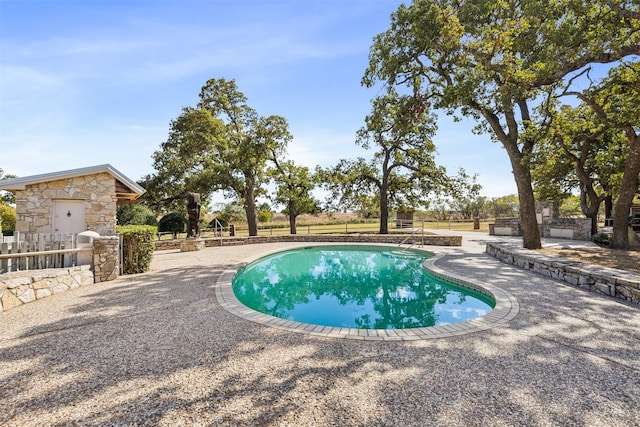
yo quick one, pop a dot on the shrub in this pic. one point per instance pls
(173, 222)
(601, 239)
(135, 214)
(138, 244)
(7, 218)
(265, 216)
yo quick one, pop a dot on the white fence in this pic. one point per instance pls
(24, 251)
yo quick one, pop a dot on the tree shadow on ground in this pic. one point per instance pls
(158, 349)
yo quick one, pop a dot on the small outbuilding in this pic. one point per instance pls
(71, 201)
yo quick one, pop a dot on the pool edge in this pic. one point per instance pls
(506, 309)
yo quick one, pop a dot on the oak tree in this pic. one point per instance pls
(494, 60)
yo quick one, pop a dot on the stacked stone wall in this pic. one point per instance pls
(34, 204)
(22, 287)
(578, 228)
(106, 253)
(329, 238)
(505, 227)
(607, 281)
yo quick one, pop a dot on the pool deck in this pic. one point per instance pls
(160, 349)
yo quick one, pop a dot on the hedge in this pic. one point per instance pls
(138, 244)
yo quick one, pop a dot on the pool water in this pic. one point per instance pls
(363, 287)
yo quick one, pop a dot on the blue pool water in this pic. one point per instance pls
(364, 287)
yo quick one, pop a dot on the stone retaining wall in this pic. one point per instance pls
(21, 287)
(607, 281)
(416, 239)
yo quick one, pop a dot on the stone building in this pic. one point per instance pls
(71, 201)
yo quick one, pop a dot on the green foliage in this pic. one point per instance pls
(570, 207)
(465, 196)
(505, 206)
(172, 222)
(7, 218)
(138, 243)
(265, 215)
(230, 212)
(293, 190)
(135, 214)
(495, 61)
(601, 239)
(222, 144)
(7, 197)
(402, 171)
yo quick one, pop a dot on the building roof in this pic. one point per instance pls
(126, 188)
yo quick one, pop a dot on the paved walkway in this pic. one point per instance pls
(158, 349)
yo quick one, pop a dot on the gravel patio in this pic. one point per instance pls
(158, 349)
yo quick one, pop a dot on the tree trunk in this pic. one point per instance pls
(250, 208)
(608, 206)
(520, 167)
(384, 208)
(292, 218)
(628, 189)
(529, 222)
(590, 205)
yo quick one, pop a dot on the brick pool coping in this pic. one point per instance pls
(506, 309)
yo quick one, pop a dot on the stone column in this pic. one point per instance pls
(106, 262)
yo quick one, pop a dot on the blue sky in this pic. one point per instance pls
(90, 82)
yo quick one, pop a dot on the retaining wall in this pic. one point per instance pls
(416, 239)
(21, 287)
(607, 281)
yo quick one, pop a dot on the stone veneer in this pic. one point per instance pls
(608, 281)
(429, 239)
(106, 253)
(34, 204)
(21, 287)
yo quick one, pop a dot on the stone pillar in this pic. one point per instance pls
(106, 258)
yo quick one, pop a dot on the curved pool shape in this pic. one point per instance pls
(362, 287)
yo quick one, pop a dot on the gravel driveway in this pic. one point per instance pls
(158, 349)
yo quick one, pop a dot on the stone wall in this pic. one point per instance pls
(607, 281)
(549, 223)
(106, 253)
(21, 287)
(505, 227)
(34, 205)
(416, 239)
(568, 228)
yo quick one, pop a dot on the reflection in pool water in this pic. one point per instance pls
(360, 287)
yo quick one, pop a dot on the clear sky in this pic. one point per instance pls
(84, 83)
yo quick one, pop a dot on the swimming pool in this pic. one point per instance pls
(361, 287)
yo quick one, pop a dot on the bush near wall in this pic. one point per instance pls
(138, 244)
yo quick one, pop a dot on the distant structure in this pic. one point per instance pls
(193, 208)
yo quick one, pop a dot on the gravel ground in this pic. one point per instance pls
(157, 349)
